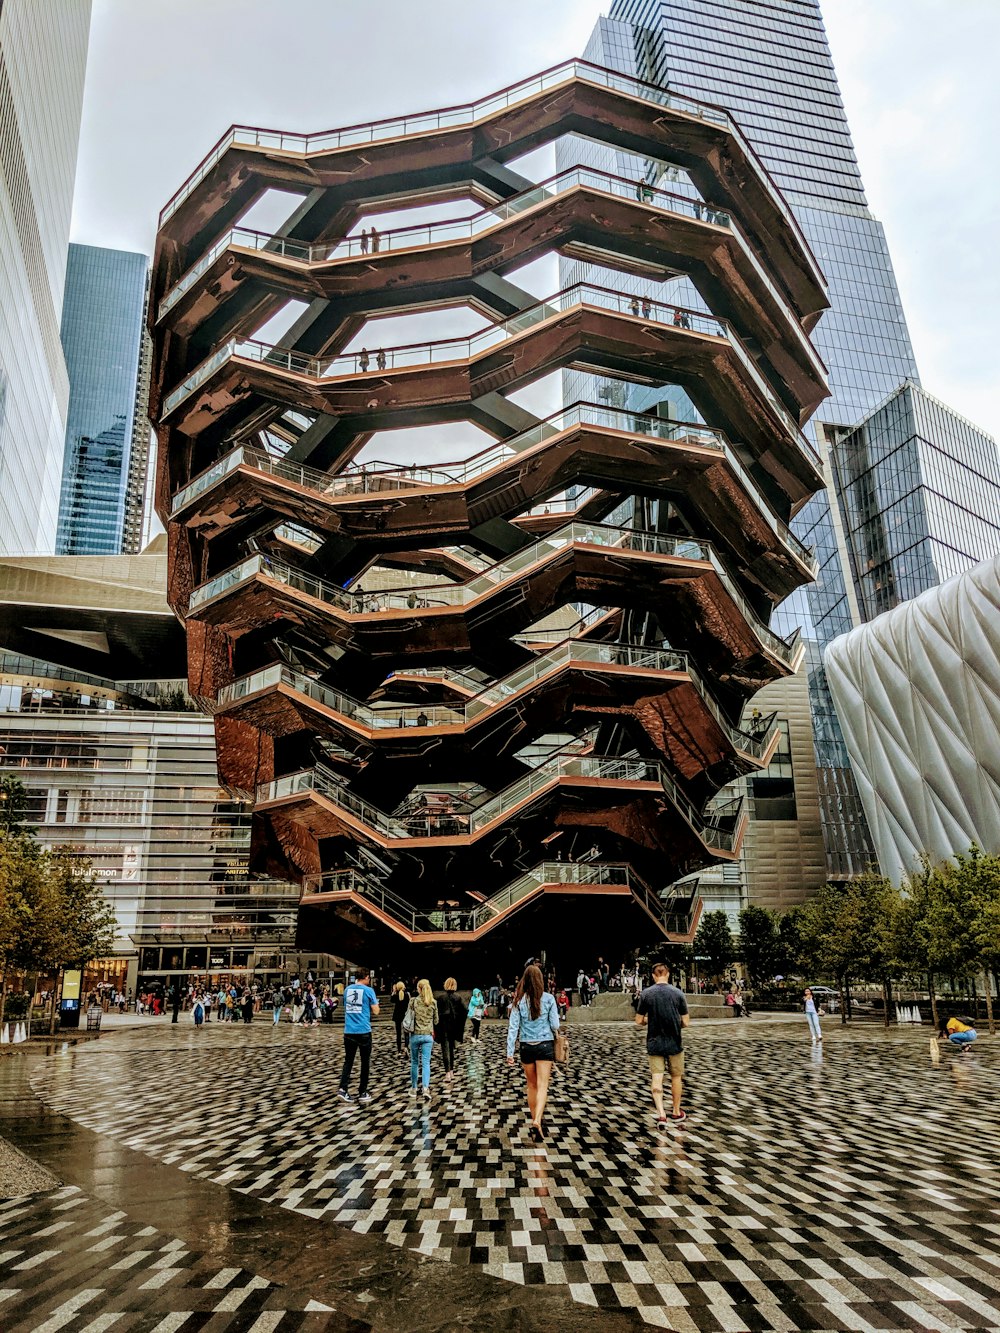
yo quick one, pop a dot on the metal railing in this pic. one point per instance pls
(436, 921)
(448, 230)
(377, 477)
(469, 822)
(396, 717)
(439, 596)
(469, 113)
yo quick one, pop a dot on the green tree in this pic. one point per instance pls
(980, 873)
(936, 926)
(849, 931)
(714, 941)
(13, 808)
(760, 944)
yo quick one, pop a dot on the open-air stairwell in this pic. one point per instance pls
(447, 599)
(721, 830)
(491, 477)
(646, 224)
(689, 325)
(389, 717)
(427, 925)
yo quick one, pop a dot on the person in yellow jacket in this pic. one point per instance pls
(959, 1033)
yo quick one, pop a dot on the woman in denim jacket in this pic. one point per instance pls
(535, 1019)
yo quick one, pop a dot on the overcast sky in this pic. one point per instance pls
(919, 79)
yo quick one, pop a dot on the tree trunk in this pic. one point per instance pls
(989, 1005)
(934, 1008)
(886, 999)
(3, 993)
(56, 995)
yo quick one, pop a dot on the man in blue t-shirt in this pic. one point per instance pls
(663, 1011)
(360, 1003)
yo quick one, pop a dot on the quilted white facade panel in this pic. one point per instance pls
(917, 692)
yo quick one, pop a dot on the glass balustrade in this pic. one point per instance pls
(438, 596)
(454, 117)
(449, 920)
(461, 229)
(456, 821)
(375, 477)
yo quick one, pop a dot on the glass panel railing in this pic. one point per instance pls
(449, 350)
(248, 136)
(430, 597)
(448, 231)
(438, 921)
(376, 477)
(459, 819)
(453, 117)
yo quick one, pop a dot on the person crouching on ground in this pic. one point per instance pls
(663, 1011)
(958, 1033)
(534, 1018)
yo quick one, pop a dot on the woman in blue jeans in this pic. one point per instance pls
(812, 1015)
(534, 1018)
(424, 1008)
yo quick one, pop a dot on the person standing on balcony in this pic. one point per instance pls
(663, 1011)
(360, 1004)
(534, 1019)
(425, 1019)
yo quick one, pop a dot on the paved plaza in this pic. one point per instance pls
(213, 1181)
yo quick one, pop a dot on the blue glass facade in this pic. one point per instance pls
(102, 334)
(919, 493)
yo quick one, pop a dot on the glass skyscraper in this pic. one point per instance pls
(43, 55)
(103, 339)
(768, 63)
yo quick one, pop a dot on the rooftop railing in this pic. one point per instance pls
(469, 113)
(428, 597)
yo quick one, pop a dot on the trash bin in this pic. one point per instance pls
(94, 1016)
(69, 1013)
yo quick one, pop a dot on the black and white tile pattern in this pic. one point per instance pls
(70, 1264)
(850, 1188)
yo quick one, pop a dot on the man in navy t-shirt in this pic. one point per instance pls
(663, 1011)
(360, 1003)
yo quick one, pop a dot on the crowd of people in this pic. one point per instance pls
(424, 1018)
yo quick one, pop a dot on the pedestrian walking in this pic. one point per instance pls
(450, 1025)
(198, 1010)
(310, 1014)
(424, 1008)
(400, 1004)
(246, 1004)
(534, 1019)
(360, 1004)
(277, 1004)
(812, 1016)
(663, 1012)
(477, 1011)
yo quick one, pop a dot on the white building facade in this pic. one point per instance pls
(43, 56)
(917, 692)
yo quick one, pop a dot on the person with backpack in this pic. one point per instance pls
(451, 1024)
(477, 1010)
